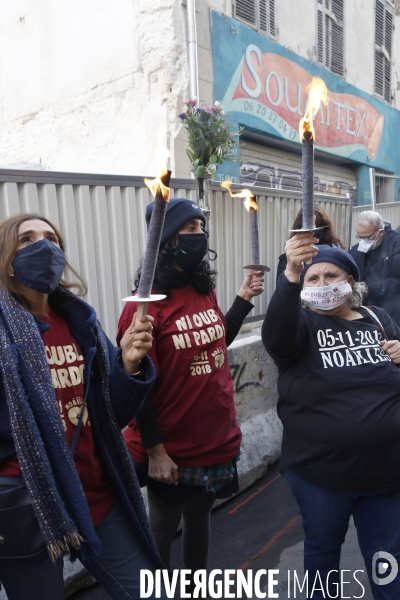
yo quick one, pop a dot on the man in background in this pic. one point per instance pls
(377, 255)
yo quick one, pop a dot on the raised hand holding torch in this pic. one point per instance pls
(318, 93)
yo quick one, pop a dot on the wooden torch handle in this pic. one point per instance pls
(141, 311)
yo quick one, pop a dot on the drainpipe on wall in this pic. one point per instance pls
(350, 220)
(372, 185)
(192, 49)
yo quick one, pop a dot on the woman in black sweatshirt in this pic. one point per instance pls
(339, 402)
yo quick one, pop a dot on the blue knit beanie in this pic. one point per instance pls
(338, 257)
(179, 212)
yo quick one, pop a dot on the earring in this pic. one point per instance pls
(11, 274)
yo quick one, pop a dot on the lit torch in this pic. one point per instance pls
(317, 93)
(159, 187)
(252, 208)
(160, 190)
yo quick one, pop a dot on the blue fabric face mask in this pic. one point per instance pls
(39, 266)
(319, 234)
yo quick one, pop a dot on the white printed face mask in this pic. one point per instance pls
(327, 297)
(366, 245)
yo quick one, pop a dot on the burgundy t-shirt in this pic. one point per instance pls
(193, 391)
(66, 365)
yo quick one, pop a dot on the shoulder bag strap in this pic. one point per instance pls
(375, 316)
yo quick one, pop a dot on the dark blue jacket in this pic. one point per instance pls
(127, 396)
(380, 270)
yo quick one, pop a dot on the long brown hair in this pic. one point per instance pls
(321, 219)
(8, 247)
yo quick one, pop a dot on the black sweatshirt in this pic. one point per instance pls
(339, 394)
(146, 418)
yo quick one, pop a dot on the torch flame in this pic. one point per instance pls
(244, 193)
(158, 186)
(318, 93)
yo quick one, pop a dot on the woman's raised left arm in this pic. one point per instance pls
(251, 287)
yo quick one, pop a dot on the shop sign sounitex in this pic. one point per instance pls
(264, 85)
(273, 88)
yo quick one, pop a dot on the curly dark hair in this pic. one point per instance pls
(202, 278)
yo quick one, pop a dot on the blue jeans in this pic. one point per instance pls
(117, 568)
(326, 514)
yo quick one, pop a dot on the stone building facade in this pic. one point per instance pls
(84, 83)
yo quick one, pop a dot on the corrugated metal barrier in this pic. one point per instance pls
(102, 220)
(390, 211)
(230, 235)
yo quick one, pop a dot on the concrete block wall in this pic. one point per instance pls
(254, 379)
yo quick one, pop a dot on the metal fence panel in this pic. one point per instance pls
(230, 235)
(102, 218)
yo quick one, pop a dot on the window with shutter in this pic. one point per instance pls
(388, 61)
(320, 36)
(272, 27)
(383, 49)
(245, 10)
(263, 16)
(330, 35)
(259, 14)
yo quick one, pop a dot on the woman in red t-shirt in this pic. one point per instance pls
(57, 364)
(187, 433)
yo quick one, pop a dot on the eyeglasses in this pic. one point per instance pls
(367, 237)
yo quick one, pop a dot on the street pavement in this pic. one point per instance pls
(261, 529)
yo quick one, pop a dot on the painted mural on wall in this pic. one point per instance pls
(263, 86)
(273, 88)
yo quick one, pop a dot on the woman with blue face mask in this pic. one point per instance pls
(324, 232)
(339, 403)
(67, 486)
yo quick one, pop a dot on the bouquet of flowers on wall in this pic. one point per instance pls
(210, 137)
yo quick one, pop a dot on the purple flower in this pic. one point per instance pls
(182, 116)
(198, 111)
(190, 102)
(208, 109)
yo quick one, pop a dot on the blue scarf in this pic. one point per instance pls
(43, 452)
